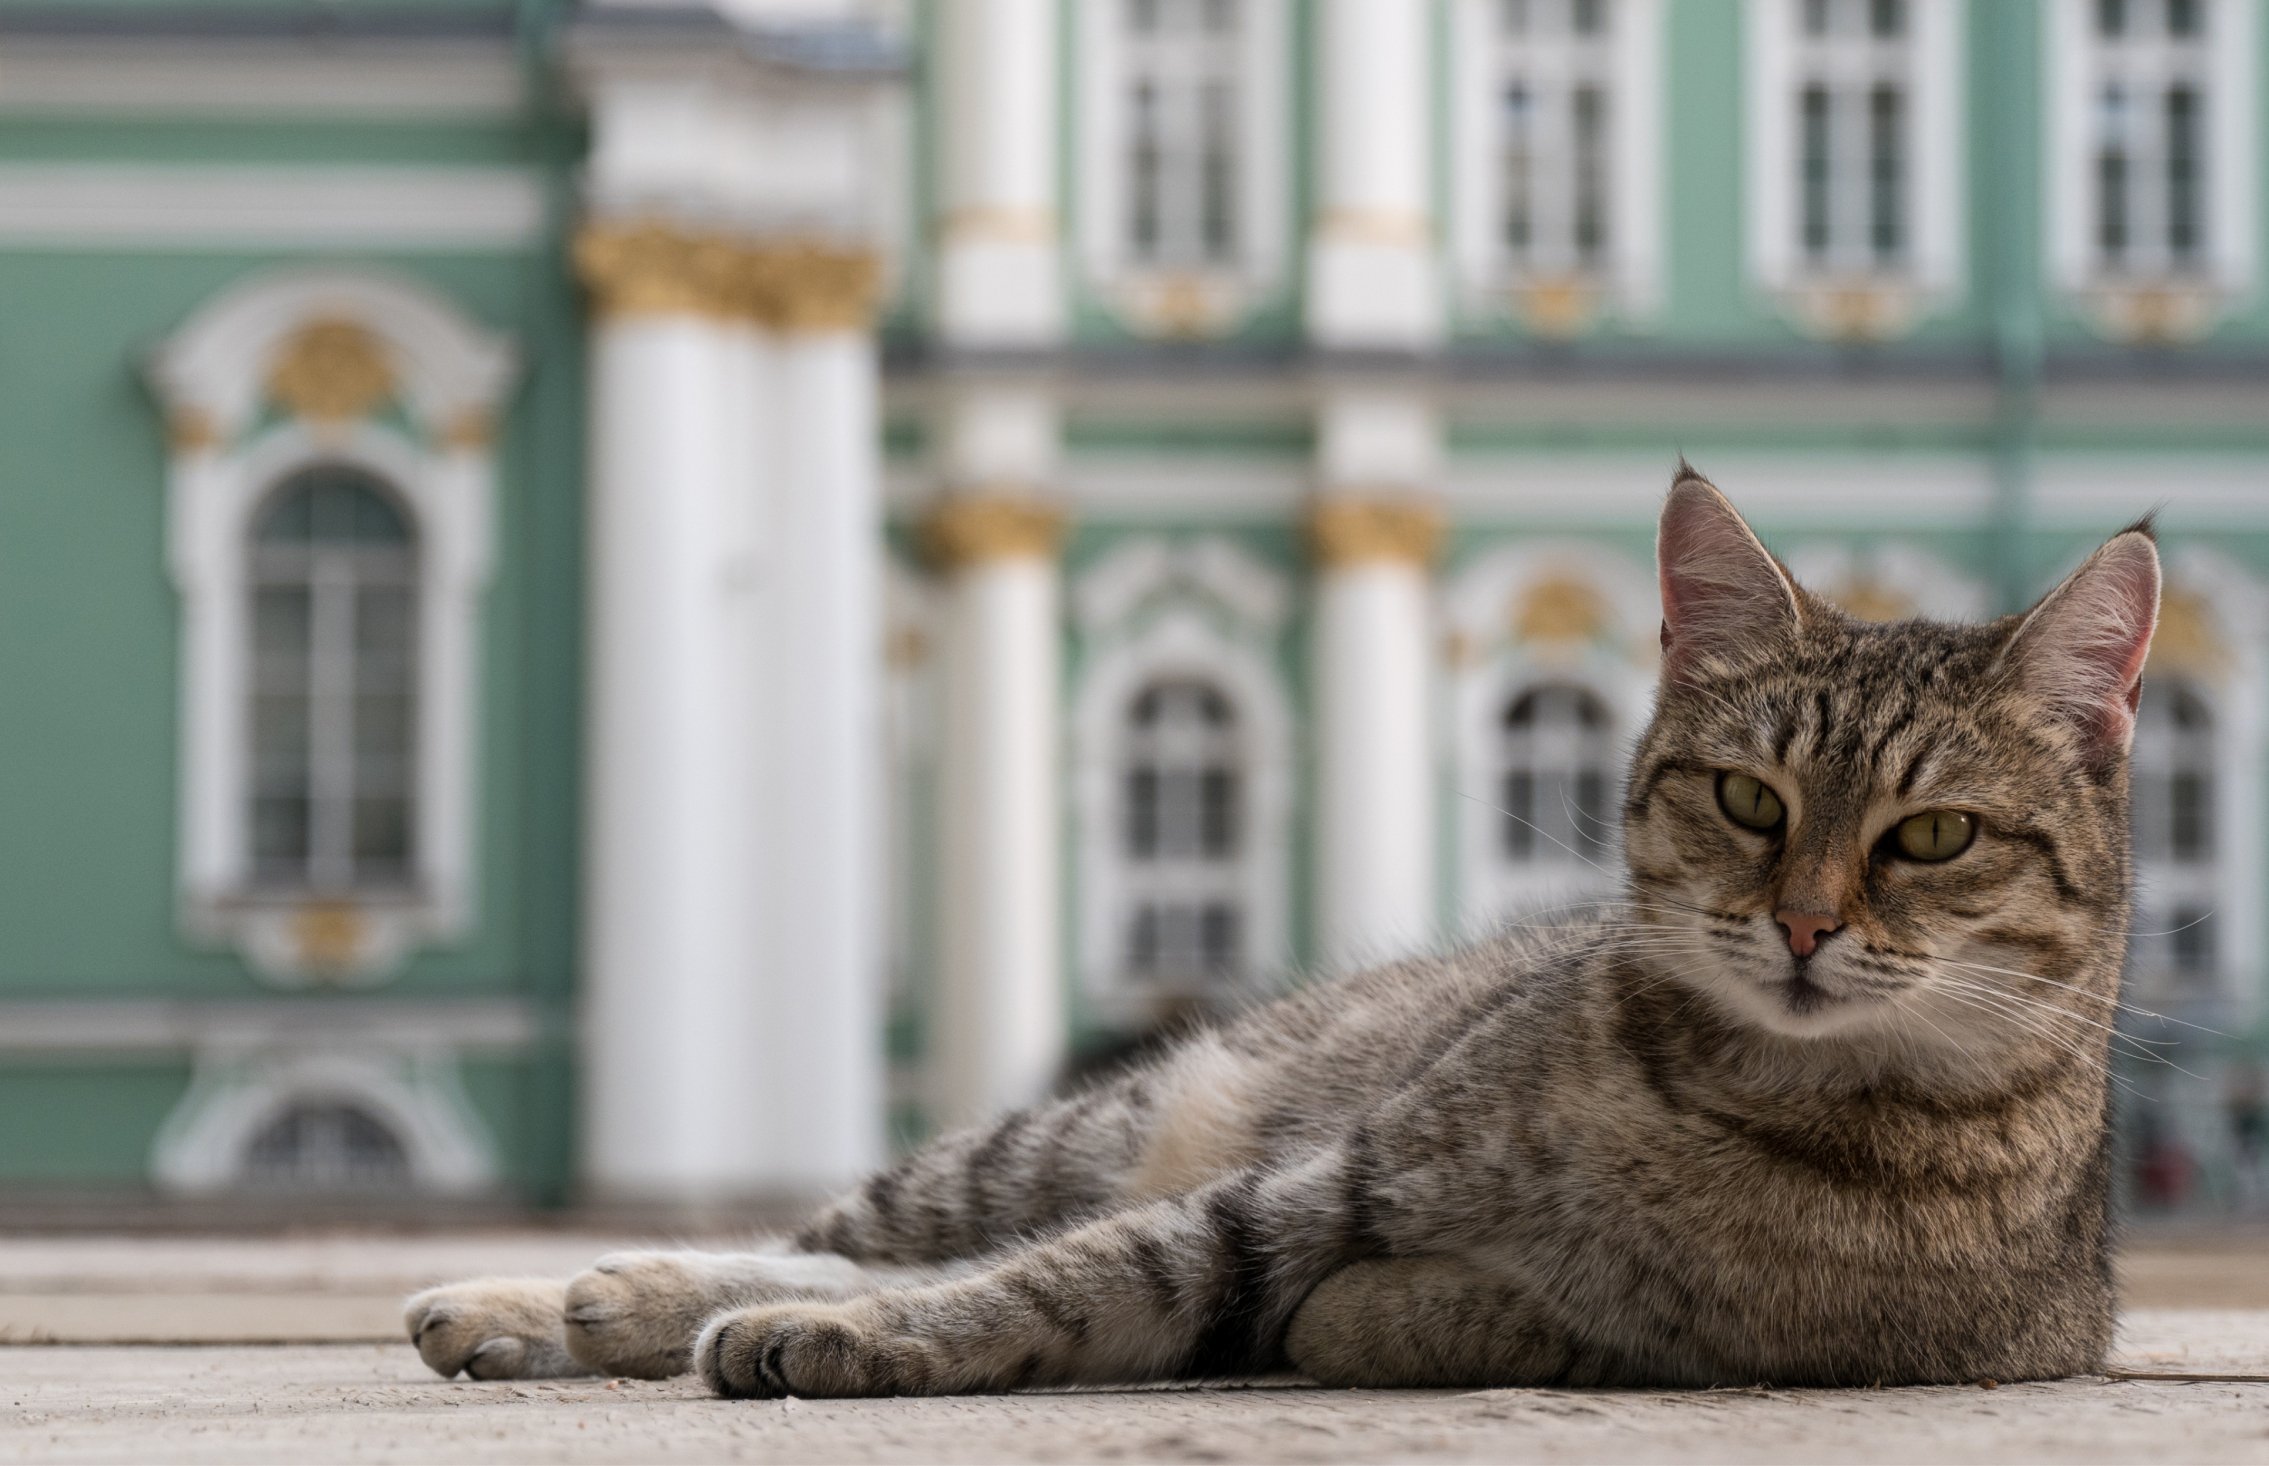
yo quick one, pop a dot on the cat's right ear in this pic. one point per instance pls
(1724, 596)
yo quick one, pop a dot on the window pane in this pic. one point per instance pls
(1517, 168)
(1887, 172)
(2184, 17)
(2183, 194)
(2111, 174)
(2111, 17)
(1887, 17)
(2191, 943)
(1218, 813)
(319, 1144)
(1219, 203)
(1814, 166)
(279, 837)
(1142, 812)
(1218, 937)
(2190, 815)
(1591, 173)
(382, 838)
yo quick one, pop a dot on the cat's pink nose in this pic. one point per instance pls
(1805, 929)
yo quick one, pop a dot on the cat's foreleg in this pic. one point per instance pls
(630, 1313)
(1199, 1283)
(1429, 1321)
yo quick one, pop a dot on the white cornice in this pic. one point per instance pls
(359, 207)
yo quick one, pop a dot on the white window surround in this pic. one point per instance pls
(1841, 299)
(1203, 611)
(1170, 300)
(1606, 646)
(1563, 300)
(2136, 303)
(447, 377)
(203, 1148)
(2214, 635)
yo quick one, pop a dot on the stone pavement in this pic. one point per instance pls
(207, 1395)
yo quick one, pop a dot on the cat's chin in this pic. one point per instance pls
(1796, 1005)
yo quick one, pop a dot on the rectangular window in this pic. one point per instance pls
(1184, 163)
(1854, 63)
(1555, 136)
(2149, 67)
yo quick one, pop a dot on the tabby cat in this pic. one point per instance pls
(1821, 1101)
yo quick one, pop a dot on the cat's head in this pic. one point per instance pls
(1914, 830)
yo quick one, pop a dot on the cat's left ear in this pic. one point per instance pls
(2081, 649)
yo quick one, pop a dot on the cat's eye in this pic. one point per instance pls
(1935, 834)
(1749, 802)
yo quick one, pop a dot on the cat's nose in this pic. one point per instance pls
(1805, 929)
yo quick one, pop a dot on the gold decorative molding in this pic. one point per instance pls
(2188, 641)
(1560, 610)
(1351, 531)
(191, 430)
(971, 529)
(807, 286)
(329, 935)
(655, 269)
(1394, 228)
(469, 430)
(331, 372)
(997, 223)
(1871, 600)
(1558, 308)
(2152, 314)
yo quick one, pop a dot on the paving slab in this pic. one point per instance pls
(376, 1403)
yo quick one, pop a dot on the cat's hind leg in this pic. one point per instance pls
(1415, 1322)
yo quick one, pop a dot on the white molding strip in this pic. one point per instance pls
(157, 1025)
(429, 81)
(217, 207)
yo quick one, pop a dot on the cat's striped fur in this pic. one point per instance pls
(1643, 1144)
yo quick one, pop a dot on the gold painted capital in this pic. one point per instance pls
(331, 372)
(996, 224)
(191, 430)
(1350, 531)
(806, 286)
(653, 268)
(972, 529)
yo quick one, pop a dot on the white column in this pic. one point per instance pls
(997, 1031)
(1374, 535)
(1371, 272)
(670, 861)
(997, 1028)
(818, 1044)
(998, 264)
(997, 1023)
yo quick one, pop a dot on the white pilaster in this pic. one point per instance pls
(999, 264)
(998, 1026)
(1372, 279)
(1374, 532)
(731, 1025)
(674, 729)
(819, 1041)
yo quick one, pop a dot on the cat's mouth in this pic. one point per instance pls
(1804, 996)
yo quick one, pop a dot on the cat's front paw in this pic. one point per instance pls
(636, 1313)
(816, 1350)
(495, 1328)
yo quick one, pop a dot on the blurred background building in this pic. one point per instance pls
(627, 599)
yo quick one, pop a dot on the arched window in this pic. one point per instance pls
(334, 585)
(1185, 157)
(326, 1145)
(1556, 780)
(2175, 802)
(1183, 838)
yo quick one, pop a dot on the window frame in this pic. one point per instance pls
(1867, 300)
(1628, 275)
(1202, 298)
(1154, 609)
(2191, 299)
(229, 454)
